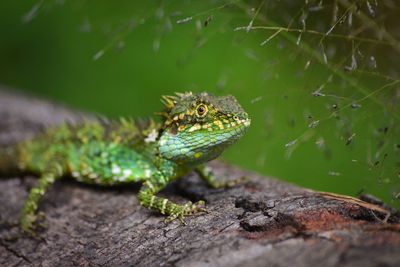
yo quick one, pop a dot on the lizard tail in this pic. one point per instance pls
(9, 156)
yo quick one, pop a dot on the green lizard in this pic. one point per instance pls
(195, 129)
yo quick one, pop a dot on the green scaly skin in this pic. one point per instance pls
(195, 129)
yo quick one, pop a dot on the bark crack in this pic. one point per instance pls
(14, 252)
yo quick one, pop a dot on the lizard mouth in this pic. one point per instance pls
(219, 127)
(245, 122)
(241, 124)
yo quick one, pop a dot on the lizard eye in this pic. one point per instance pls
(201, 110)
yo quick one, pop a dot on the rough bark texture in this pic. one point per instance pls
(265, 222)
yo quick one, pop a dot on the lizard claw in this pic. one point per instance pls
(197, 207)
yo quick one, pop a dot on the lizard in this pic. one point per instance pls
(195, 128)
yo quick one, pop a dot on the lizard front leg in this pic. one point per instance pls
(207, 175)
(147, 197)
(29, 216)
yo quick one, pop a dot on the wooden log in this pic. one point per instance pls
(265, 222)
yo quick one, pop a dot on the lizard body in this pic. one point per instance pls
(196, 128)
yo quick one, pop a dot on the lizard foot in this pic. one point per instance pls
(31, 224)
(185, 210)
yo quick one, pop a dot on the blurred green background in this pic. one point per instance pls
(320, 80)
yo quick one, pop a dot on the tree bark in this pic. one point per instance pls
(264, 222)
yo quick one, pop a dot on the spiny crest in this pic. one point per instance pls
(168, 101)
(172, 102)
(175, 103)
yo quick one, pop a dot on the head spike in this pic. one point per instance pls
(185, 94)
(168, 101)
(162, 114)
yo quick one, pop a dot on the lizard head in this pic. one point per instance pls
(198, 127)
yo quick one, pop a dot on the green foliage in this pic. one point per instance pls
(320, 79)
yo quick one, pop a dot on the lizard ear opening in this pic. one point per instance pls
(173, 129)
